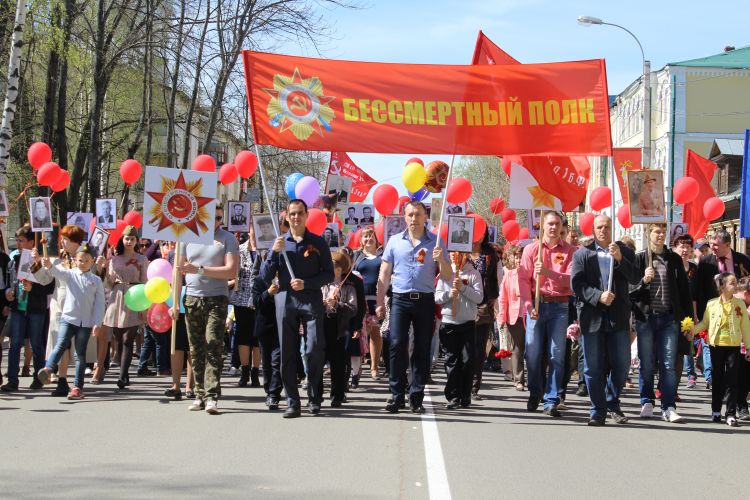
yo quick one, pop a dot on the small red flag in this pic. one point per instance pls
(626, 160)
(486, 52)
(342, 165)
(564, 177)
(702, 170)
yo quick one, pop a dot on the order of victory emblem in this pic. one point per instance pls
(298, 104)
(177, 204)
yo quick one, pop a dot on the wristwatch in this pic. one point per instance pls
(201, 270)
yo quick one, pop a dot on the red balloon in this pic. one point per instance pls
(115, 234)
(355, 239)
(443, 232)
(505, 164)
(158, 317)
(497, 205)
(508, 215)
(511, 230)
(228, 173)
(600, 198)
(401, 202)
(623, 215)
(523, 234)
(246, 163)
(204, 163)
(62, 182)
(38, 154)
(713, 208)
(48, 174)
(586, 223)
(480, 227)
(133, 218)
(316, 221)
(685, 190)
(380, 231)
(385, 199)
(415, 160)
(130, 171)
(459, 190)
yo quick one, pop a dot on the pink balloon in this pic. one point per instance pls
(158, 318)
(160, 268)
(308, 190)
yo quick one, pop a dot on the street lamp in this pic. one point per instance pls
(646, 153)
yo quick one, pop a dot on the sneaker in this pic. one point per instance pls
(647, 410)
(618, 417)
(75, 393)
(197, 405)
(716, 418)
(88, 371)
(145, 372)
(355, 382)
(732, 421)
(392, 406)
(9, 387)
(561, 405)
(212, 407)
(233, 372)
(671, 415)
(690, 382)
(743, 415)
(708, 385)
(508, 376)
(453, 404)
(552, 412)
(44, 375)
(582, 391)
(313, 408)
(272, 402)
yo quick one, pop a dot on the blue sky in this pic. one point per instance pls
(444, 32)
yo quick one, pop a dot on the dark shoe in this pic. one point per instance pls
(582, 391)
(36, 385)
(291, 412)
(532, 404)
(475, 395)
(272, 402)
(175, 394)
(336, 403)
(62, 388)
(453, 405)
(552, 412)
(618, 416)
(145, 372)
(392, 406)
(121, 383)
(716, 419)
(743, 416)
(465, 403)
(355, 382)
(708, 385)
(244, 376)
(25, 371)
(9, 387)
(596, 422)
(418, 408)
(313, 408)
(255, 377)
(189, 394)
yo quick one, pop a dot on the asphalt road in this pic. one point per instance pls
(136, 444)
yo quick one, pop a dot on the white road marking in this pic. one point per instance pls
(437, 477)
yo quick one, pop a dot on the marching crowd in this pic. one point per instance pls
(298, 312)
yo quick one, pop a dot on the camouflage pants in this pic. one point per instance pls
(205, 318)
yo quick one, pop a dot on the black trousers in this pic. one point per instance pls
(336, 357)
(270, 353)
(725, 361)
(295, 309)
(743, 383)
(481, 336)
(459, 343)
(419, 313)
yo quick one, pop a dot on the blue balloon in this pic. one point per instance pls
(290, 184)
(419, 195)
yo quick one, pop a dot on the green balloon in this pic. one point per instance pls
(135, 298)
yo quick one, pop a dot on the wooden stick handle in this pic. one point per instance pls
(176, 291)
(538, 294)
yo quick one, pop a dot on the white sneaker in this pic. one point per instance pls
(197, 405)
(88, 371)
(732, 421)
(671, 415)
(233, 371)
(647, 410)
(561, 406)
(212, 407)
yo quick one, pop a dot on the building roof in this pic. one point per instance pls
(727, 147)
(734, 59)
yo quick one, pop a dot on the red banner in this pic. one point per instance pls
(486, 52)
(702, 170)
(564, 177)
(327, 105)
(626, 160)
(341, 164)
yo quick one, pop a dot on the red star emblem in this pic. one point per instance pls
(179, 204)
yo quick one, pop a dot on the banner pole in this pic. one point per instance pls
(538, 290)
(176, 292)
(445, 198)
(274, 217)
(614, 223)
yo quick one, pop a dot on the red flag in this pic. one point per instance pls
(702, 170)
(486, 52)
(564, 177)
(626, 160)
(341, 164)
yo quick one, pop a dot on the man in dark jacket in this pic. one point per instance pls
(28, 306)
(603, 306)
(661, 300)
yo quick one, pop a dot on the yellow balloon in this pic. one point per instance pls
(157, 290)
(414, 177)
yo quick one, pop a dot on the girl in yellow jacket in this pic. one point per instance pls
(728, 326)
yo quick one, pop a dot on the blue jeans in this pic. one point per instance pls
(21, 324)
(66, 333)
(706, 353)
(606, 361)
(154, 343)
(657, 343)
(689, 366)
(546, 336)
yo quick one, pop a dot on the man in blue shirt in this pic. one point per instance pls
(299, 302)
(410, 264)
